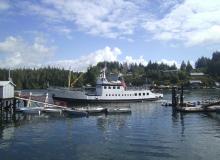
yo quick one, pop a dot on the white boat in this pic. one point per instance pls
(104, 91)
(52, 110)
(118, 110)
(92, 110)
(74, 112)
(30, 110)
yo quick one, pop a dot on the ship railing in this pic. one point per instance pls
(66, 88)
(137, 88)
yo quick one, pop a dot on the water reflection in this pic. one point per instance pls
(150, 132)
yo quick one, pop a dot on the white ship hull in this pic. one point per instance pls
(105, 91)
(120, 96)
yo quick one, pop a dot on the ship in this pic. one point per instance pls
(104, 91)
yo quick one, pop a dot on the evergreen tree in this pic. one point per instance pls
(189, 67)
(183, 66)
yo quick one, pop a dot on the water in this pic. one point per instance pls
(150, 132)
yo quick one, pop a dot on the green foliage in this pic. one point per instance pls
(134, 74)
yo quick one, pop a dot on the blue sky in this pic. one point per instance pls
(79, 33)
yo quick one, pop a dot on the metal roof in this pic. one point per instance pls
(197, 74)
(195, 81)
(3, 83)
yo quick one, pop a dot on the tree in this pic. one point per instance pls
(189, 67)
(183, 66)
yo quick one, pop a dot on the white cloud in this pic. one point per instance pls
(107, 18)
(4, 5)
(140, 60)
(18, 53)
(169, 62)
(191, 22)
(82, 63)
(106, 54)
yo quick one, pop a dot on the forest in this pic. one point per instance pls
(134, 74)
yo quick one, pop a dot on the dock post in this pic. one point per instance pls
(46, 100)
(1, 107)
(29, 100)
(174, 97)
(181, 96)
(6, 111)
(25, 103)
(14, 106)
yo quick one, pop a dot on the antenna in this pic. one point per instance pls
(9, 75)
(69, 77)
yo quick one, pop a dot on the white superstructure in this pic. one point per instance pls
(105, 91)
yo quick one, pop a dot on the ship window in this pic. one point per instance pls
(105, 87)
(147, 93)
(119, 95)
(135, 94)
(122, 95)
(118, 87)
(130, 94)
(113, 87)
(115, 94)
(143, 94)
(112, 94)
(109, 87)
(139, 94)
(109, 94)
(106, 94)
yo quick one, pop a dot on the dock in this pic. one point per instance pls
(179, 105)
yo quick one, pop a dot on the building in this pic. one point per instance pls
(196, 79)
(6, 89)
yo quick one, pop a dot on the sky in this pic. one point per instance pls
(80, 33)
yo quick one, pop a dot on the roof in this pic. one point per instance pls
(3, 83)
(197, 74)
(195, 81)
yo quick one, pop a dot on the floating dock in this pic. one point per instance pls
(178, 104)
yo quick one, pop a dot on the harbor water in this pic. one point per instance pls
(151, 132)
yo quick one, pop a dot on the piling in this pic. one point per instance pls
(1, 107)
(174, 102)
(181, 97)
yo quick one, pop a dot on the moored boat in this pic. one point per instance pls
(92, 110)
(119, 110)
(74, 112)
(52, 110)
(30, 110)
(105, 91)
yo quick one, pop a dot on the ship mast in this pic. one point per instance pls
(69, 77)
(9, 75)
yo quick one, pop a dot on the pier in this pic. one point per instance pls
(178, 103)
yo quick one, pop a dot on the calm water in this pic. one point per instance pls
(150, 132)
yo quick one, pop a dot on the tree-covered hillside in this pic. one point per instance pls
(134, 74)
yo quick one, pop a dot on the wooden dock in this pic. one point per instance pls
(178, 104)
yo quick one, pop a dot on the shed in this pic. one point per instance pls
(197, 74)
(6, 89)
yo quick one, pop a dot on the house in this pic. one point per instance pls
(197, 74)
(6, 89)
(196, 79)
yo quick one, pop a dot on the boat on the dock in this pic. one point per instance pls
(30, 110)
(75, 113)
(104, 91)
(52, 110)
(199, 109)
(92, 110)
(120, 110)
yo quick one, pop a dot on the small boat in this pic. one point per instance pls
(52, 110)
(118, 110)
(75, 112)
(166, 104)
(92, 110)
(30, 110)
